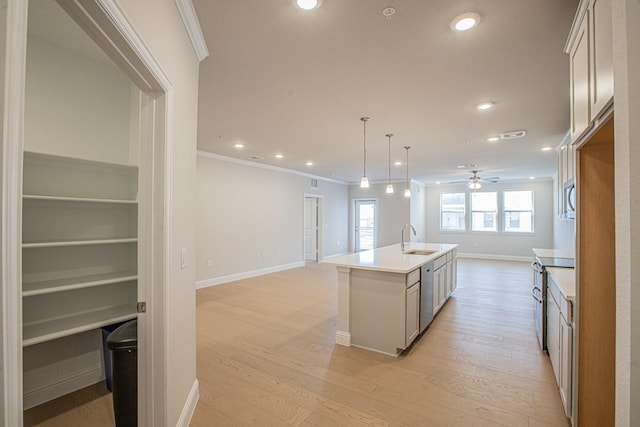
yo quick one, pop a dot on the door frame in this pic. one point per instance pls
(320, 219)
(106, 24)
(354, 234)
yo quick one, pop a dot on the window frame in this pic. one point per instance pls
(497, 216)
(504, 212)
(465, 228)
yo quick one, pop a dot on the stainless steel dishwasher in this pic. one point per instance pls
(426, 296)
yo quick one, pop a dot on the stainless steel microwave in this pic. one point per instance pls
(569, 200)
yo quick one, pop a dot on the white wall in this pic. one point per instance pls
(159, 24)
(392, 210)
(626, 45)
(418, 212)
(250, 218)
(499, 244)
(75, 105)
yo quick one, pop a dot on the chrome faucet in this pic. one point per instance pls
(402, 235)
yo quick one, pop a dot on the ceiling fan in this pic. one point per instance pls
(474, 182)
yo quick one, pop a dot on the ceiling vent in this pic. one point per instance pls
(513, 135)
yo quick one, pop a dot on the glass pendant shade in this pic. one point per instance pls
(389, 186)
(364, 182)
(389, 189)
(407, 193)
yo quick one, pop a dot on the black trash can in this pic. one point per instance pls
(106, 353)
(123, 343)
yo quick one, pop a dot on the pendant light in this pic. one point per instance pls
(407, 191)
(389, 186)
(364, 182)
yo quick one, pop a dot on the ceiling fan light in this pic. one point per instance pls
(364, 182)
(389, 189)
(475, 185)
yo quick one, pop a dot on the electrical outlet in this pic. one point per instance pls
(183, 258)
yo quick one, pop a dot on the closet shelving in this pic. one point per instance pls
(79, 245)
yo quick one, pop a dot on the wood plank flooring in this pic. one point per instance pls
(267, 357)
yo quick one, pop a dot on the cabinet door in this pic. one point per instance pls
(437, 276)
(443, 284)
(601, 47)
(566, 354)
(553, 333)
(579, 68)
(412, 313)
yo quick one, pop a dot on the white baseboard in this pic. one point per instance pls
(65, 386)
(246, 275)
(335, 255)
(343, 338)
(189, 406)
(496, 257)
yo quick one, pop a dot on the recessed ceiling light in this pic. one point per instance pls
(309, 163)
(438, 182)
(398, 163)
(547, 148)
(238, 145)
(484, 105)
(308, 4)
(465, 22)
(532, 177)
(493, 139)
(279, 156)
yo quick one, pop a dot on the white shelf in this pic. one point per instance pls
(77, 199)
(66, 159)
(67, 284)
(52, 329)
(78, 243)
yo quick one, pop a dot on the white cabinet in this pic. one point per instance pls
(591, 64)
(444, 279)
(79, 245)
(412, 320)
(384, 309)
(560, 341)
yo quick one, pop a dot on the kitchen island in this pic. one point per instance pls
(387, 296)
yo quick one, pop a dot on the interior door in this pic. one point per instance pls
(311, 229)
(365, 225)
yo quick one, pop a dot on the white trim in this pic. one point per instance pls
(61, 388)
(247, 274)
(189, 406)
(15, 38)
(243, 162)
(336, 255)
(343, 338)
(192, 25)
(575, 26)
(496, 257)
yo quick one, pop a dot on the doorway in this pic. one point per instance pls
(365, 224)
(312, 228)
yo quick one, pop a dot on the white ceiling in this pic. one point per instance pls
(283, 80)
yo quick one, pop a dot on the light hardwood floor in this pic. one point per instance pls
(266, 357)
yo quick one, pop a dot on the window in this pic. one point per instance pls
(452, 212)
(484, 211)
(518, 211)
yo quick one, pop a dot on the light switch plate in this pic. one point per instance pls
(183, 258)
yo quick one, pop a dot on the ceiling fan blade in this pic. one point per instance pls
(458, 182)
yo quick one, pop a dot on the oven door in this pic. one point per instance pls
(539, 293)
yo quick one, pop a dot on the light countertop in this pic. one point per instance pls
(391, 258)
(554, 253)
(565, 278)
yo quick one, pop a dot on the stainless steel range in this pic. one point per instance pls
(539, 291)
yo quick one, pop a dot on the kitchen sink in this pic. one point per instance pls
(419, 252)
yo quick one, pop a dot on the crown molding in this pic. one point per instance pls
(192, 25)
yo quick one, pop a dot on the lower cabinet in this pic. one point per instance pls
(412, 320)
(560, 341)
(444, 279)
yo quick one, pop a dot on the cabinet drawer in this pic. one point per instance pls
(413, 277)
(553, 290)
(439, 262)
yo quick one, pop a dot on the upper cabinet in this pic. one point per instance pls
(591, 65)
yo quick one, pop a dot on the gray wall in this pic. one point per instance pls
(418, 210)
(250, 218)
(506, 245)
(564, 230)
(392, 210)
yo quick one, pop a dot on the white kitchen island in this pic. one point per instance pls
(379, 293)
